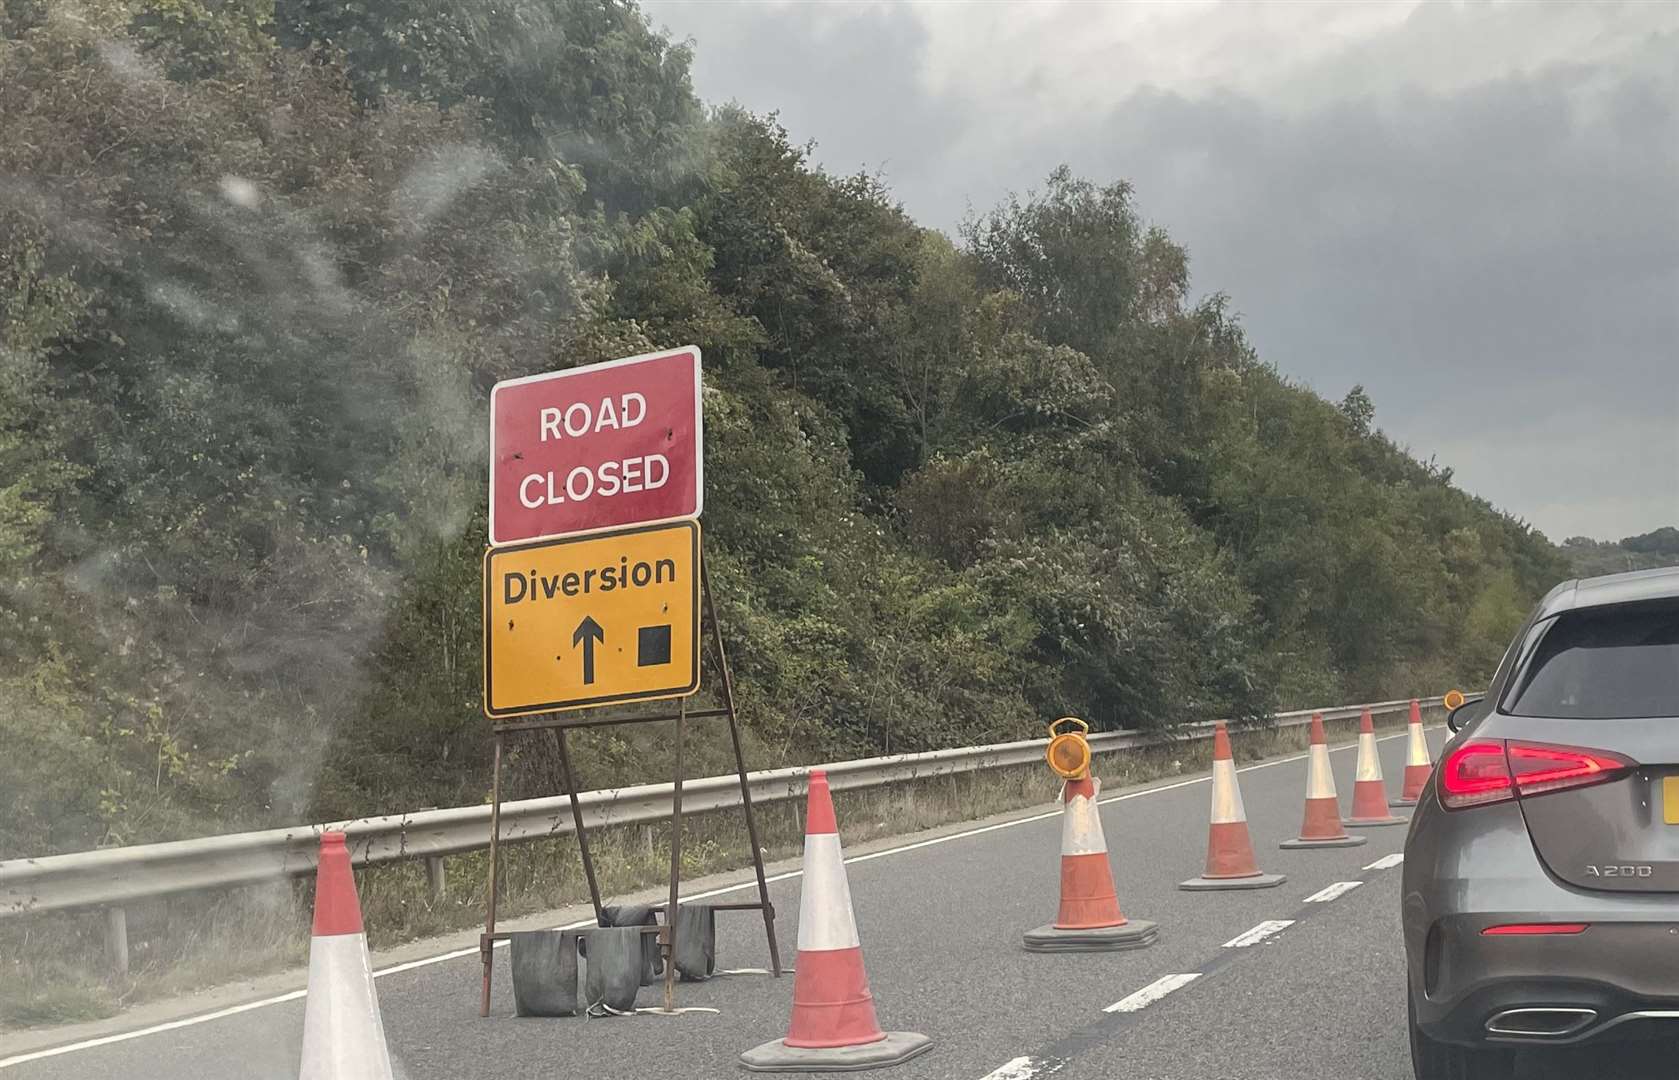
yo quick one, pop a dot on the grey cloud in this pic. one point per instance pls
(847, 76)
(1501, 261)
(1495, 255)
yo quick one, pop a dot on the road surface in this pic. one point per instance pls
(941, 916)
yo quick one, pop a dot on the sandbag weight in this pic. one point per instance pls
(696, 942)
(638, 915)
(544, 964)
(616, 962)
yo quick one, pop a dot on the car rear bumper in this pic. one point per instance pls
(1614, 979)
(1465, 872)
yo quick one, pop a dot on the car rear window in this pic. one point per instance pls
(1604, 664)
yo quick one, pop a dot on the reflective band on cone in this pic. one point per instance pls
(1088, 916)
(343, 1034)
(1230, 859)
(1322, 824)
(833, 1027)
(1418, 764)
(1370, 796)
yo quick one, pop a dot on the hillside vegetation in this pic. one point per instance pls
(261, 260)
(1646, 551)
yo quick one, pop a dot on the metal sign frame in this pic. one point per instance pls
(556, 726)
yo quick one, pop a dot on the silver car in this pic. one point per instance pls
(1541, 880)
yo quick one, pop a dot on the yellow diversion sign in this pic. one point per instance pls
(592, 620)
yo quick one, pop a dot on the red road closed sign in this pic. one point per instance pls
(597, 447)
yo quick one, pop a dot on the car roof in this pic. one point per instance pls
(1661, 583)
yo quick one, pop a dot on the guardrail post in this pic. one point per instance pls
(434, 876)
(116, 940)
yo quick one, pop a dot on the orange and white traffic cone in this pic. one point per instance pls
(1417, 762)
(1370, 794)
(1322, 827)
(343, 1036)
(833, 1027)
(1230, 860)
(1089, 919)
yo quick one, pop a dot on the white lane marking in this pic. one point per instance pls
(1152, 993)
(1387, 862)
(1324, 896)
(1258, 933)
(1022, 1068)
(186, 1021)
(396, 969)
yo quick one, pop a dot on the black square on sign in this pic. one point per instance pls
(653, 646)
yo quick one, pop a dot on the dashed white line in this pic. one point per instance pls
(1152, 993)
(1387, 862)
(1022, 1068)
(1258, 933)
(1324, 896)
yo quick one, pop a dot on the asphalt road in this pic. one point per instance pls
(941, 918)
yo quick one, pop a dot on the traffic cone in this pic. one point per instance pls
(1417, 762)
(1230, 861)
(833, 1027)
(1322, 827)
(1370, 795)
(1089, 919)
(343, 1036)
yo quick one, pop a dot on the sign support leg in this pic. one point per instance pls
(486, 944)
(765, 906)
(675, 864)
(558, 735)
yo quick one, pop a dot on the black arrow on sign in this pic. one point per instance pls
(587, 633)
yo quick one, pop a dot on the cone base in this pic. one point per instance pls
(1335, 841)
(1375, 823)
(1136, 934)
(897, 1048)
(1402, 802)
(1257, 881)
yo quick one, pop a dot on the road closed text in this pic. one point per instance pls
(577, 420)
(646, 473)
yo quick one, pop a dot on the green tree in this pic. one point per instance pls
(583, 82)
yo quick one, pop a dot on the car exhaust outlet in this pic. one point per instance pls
(1540, 1023)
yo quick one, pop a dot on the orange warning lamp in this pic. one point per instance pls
(1068, 752)
(1452, 700)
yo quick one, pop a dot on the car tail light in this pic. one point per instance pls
(1475, 773)
(1541, 929)
(1484, 771)
(1540, 768)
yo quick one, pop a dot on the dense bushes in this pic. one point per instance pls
(260, 264)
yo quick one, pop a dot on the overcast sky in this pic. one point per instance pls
(1471, 209)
